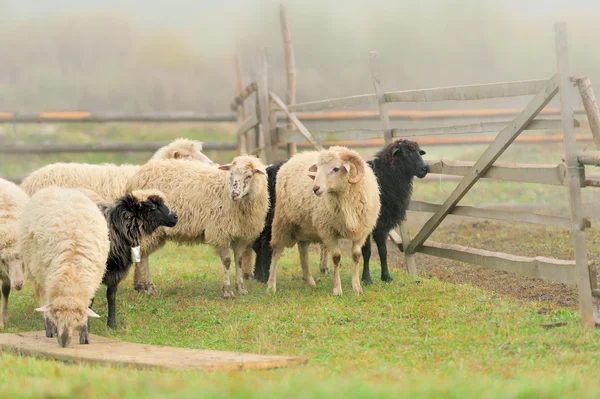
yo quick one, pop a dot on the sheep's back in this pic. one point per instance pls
(63, 232)
(108, 180)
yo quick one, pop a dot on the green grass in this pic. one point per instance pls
(414, 338)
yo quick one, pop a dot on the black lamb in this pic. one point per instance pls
(262, 245)
(394, 166)
(131, 217)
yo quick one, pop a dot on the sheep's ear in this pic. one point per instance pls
(395, 150)
(259, 172)
(182, 155)
(422, 152)
(43, 309)
(313, 168)
(226, 167)
(90, 313)
(347, 167)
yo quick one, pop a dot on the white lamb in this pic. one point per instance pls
(64, 243)
(223, 207)
(12, 202)
(341, 203)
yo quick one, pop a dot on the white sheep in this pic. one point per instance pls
(341, 203)
(109, 181)
(12, 202)
(223, 207)
(64, 242)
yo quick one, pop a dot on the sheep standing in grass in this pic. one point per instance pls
(223, 207)
(109, 181)
(12, 202)
(131, 217)
(341, 203)
(394, 166)
(64, 243)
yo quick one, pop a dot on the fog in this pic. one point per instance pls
(145, 56)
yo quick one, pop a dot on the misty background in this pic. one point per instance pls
(143, 56)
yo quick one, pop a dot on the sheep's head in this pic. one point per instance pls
(409, 153)
(147, 208)
(11, 263)
(67, 317)
(243, 171)
(335, 169)
(184, 149)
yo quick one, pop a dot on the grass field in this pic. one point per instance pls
(421, 338)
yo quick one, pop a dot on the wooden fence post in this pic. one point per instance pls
(591, 107)
(241, 112)
(290, 66)
(411, 265)
(264, 105)
(587, 303)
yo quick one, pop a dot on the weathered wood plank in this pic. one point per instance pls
(103, 350)
(248, 124)
(364, 99)
(560, 271)
(303, 130)
(589, 158)
(591, 106)
(511, 216)
(101, 147)
(554, 175)
(383, 108)
(241, 111)
(491, 154)
(264, 106)
(588, 305)
(290, 68)
(470, 92)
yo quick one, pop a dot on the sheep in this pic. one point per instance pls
(64, 242)
(12, 202)
(223, 207)
(131, 217)
(342, 203)
(394, 166)
(109, 181)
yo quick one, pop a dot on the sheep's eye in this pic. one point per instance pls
(247, 178)
(336, 169)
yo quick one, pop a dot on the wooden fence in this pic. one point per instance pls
(259, 133)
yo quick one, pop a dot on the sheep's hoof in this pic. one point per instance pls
(84, 338)
(247, 276)
(146, 288)
(367, 280)
(241, 289)
(387, 278)
(337, 291)
(112, 325)
(357, 289)
(325, 270)
(227, 292)
(271, 287)
(310, 282)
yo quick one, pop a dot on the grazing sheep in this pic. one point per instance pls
(394, 166)
(131, 217)
(223, 207)
(64, 243)
(109, 181)
(342, 203)
(12, 202)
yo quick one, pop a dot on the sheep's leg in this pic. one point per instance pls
(323, 267)
(258, 272)
(111, 298)
(266, 254)
(380, 240)
(225, 256)
(272, 283)
(366, 253)
(50, 327)
(239, 251)
(4, 298)
(247, 262)
(142, 279)
(306, 276)
(84, 336)
(336, 256)
(355, 273)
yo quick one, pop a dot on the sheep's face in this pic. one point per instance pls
(411, 155)
(335, 171)
(241, 176)
(67, 320)
(11, 265)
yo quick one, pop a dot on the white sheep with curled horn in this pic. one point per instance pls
(341, 203)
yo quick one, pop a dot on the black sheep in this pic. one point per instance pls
(130, 218)
(394, 166)
(262, 245)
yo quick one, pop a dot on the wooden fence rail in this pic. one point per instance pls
(100, 147)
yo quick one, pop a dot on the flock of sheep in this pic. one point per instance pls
(71, 227)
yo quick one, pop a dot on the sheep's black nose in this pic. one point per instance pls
(426, 168)
(316, 188)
